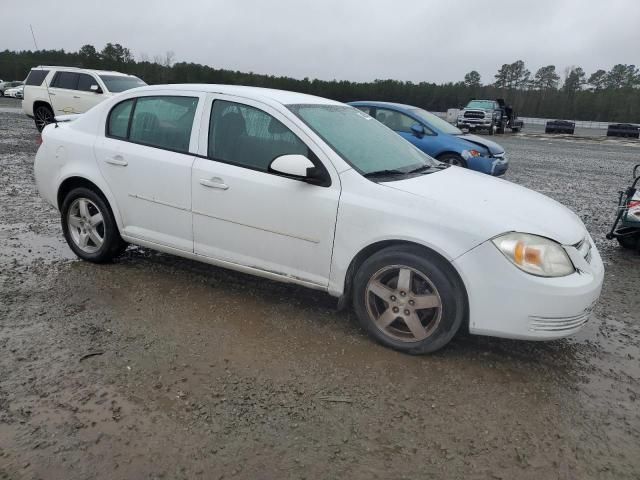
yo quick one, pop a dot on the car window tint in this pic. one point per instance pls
(36, 77)
(119, 119)
(163, 122)
(249, 137)
(85, 81)
(68, 80)
(396, 121)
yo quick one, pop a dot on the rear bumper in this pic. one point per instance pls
(507, 302)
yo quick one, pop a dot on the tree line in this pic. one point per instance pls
(604, 95)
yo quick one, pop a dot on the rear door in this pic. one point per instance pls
(145, 156)
(61, 91)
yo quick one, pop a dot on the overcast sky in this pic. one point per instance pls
(418, 40)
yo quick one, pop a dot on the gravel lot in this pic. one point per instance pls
(200, 372)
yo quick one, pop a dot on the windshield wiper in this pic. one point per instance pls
(422, 168)
(384, 173)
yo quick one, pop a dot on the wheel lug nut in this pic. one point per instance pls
(395, 309)
(411, 302)
(407, 312)
(402, 294)
(393, 298)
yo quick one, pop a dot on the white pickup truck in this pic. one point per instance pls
(50, 91)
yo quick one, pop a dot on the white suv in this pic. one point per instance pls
(51, 91)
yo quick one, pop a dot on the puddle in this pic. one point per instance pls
(20, 245)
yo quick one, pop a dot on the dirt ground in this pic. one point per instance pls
(158, 367)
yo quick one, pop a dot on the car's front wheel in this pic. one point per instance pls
(89, 226)
(409, 299)
(453, 159)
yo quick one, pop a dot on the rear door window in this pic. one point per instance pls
(163, 122)
(118, 122)
(67, 80)
(36, 77)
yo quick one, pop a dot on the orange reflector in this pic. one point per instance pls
(518, 254)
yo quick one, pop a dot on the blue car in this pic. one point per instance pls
(438, 138)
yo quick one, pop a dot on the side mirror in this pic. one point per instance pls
(299, 167)
(417, 130)
(95, 88)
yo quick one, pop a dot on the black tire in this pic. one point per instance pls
(453, 159)
(491, 132)
(630, 242)
(502, 128)
(441, 322)
(515, 130)
(112, 244)
(42, 116)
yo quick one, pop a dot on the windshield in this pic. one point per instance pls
(364, 143)
(120, 83)
(436, 122)
(481, 104)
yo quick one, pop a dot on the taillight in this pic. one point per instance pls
(39, 140)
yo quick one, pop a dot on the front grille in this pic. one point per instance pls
(584, 248)
(558, 324)
(473, 115)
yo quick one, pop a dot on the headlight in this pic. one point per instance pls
(467, 154)
(536, 255)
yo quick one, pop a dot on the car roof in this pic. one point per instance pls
(80, 69)
(283, 97)
(399, 106)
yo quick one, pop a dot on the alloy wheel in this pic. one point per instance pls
(43, 117)
(403, 303)
(86, 225)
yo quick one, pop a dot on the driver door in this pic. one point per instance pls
(246, 215)
(401, 124)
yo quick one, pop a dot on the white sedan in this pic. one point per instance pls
(15, 92)
(314, 192)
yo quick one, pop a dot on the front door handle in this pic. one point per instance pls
(215, 182)
(76, 96)
(117, 160)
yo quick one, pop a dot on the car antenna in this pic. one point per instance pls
(46, 85)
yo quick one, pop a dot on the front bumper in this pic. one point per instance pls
(496, 166)
(474, 123)
(507, 302)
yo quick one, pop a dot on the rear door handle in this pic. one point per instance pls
(117, 160)
(215, 182)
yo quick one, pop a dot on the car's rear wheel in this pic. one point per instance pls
(453, 159)
(89, 226)
(43, 116)
(408, 299)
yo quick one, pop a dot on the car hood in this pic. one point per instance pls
(493, 147)
(486, 206)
